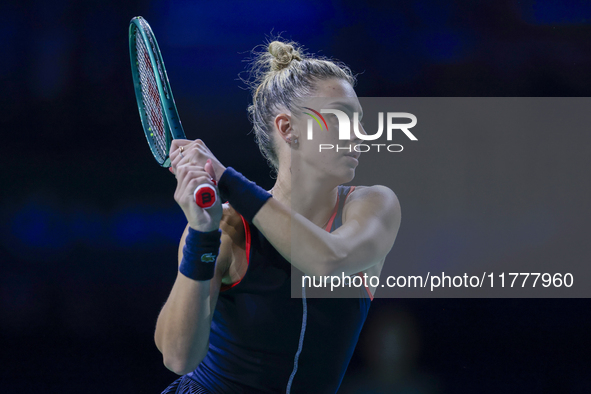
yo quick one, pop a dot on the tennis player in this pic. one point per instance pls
(230, 324)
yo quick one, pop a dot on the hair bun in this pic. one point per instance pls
(283, 54)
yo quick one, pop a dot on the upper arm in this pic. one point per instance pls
(370, 224)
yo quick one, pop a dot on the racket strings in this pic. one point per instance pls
(151, 99)
(150, 36)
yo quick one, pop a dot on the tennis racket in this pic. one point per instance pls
(160, 118)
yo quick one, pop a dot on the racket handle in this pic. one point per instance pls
(205, 196)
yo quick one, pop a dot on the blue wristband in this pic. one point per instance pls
(246, 197)
(200, 253)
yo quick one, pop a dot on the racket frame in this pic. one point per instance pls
(172, 124)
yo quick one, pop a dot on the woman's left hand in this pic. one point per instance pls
(194, 153)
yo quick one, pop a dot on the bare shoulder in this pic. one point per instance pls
(372, 191)
(377, 198)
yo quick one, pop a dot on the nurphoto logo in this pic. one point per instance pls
(345, 129)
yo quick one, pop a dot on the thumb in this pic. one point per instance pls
(209, 169)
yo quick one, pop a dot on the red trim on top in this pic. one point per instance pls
(225, 287)
(366, 288)
(336, 208)
(350, 191)
(334, 215)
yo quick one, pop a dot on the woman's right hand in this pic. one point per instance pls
(189, 176)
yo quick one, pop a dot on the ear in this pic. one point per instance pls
(284, 126)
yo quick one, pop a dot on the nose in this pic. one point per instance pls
(361, 131)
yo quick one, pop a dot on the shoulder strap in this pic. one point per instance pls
(344, 192)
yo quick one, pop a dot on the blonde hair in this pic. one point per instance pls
(280, 76)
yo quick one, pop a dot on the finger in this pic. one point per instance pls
(187, 173)
(203, 147)
(176, 144)
(176, 159)
(193, 152)
(175, 152)
(188, 154)
(210, 171)
(184, 193)
(198, 154)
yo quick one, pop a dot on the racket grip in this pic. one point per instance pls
(205, 196)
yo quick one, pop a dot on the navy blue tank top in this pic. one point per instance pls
(264, 341)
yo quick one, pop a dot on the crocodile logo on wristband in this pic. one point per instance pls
(208, 257)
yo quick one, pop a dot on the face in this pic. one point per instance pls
(323, 152)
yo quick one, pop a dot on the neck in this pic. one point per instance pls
(311, 197)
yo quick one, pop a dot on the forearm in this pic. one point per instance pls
(182, 329)
(305, 245)
(297, 239)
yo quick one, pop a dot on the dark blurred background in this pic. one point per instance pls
(89, 227)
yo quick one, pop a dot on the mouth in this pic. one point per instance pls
(354, 155)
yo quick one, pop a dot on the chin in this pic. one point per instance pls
(347, 175)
